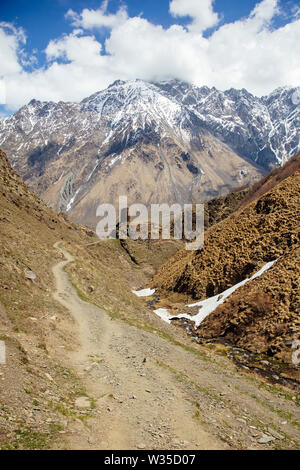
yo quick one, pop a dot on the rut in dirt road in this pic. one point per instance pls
(152, 394)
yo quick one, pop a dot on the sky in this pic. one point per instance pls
(66, 50)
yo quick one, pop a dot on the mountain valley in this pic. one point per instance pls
(90, 363)
(154, 142)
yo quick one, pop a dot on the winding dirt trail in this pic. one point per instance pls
(152, 394)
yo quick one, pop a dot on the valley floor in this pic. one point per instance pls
(147, 392)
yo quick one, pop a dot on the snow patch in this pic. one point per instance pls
(164, 314)
(93, 170)
(69, 206)
(209, 305)
(114, 160)
(143, 292)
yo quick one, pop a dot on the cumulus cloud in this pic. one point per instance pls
(264, 12)
(90, 19)
(11, 39)
(248, 53)
(74, 48)
(201, 11)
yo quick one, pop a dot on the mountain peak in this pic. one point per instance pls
(166, 139)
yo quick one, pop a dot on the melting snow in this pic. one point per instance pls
(209, 305)
(92, 172)
(164, 314)
(114, 160)
(144, 292)
(69, 206)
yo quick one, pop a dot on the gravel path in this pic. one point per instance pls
(147, 393)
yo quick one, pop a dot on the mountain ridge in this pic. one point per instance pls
(156, 142)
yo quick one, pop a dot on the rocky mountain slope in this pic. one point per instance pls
(162, 142)
(31, 323)
(74, 360)
(38, 391)
(265, 129)
(263, 315)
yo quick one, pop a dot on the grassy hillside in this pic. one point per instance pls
(262, 316)
(37, 391)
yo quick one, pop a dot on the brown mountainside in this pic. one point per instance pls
(263, 315)
(35, 328)
(96, 343)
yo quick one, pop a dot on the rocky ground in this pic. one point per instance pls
(151, 391)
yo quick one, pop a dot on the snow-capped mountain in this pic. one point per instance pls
(265, 129)
(155, 142)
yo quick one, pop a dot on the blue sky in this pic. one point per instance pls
(45, 19)
(43, 45)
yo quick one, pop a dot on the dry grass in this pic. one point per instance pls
(37, 330)
(262, 316)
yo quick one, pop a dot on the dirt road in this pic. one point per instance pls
(148, 393)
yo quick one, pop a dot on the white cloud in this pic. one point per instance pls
(2, 92)
(264, 12)
(11, 41)
(201, 12)
(82, 50)
(248, 53)
(90, 19)
(157, 53)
